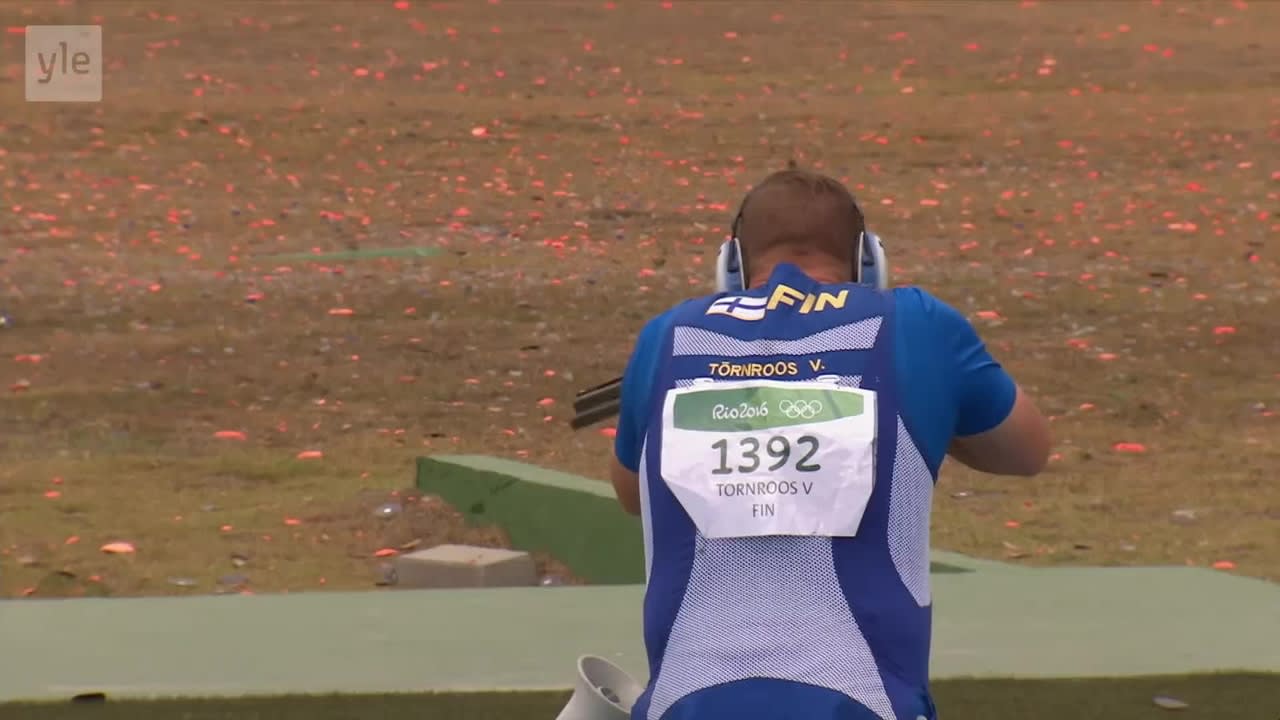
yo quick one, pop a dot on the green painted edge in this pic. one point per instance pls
(965, 563)
(561, 515)
(532, 473)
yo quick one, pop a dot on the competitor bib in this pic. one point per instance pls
(765, 457)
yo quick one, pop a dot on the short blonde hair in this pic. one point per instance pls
(799, 213)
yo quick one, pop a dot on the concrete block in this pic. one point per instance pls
(465, 566)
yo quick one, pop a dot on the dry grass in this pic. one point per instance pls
(1095, 184)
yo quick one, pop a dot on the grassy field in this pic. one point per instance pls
(1224, 697)
(1094, 184)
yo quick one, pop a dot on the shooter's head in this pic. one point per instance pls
(803, 218)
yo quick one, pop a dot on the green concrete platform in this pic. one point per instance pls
(989, 623)
(991, 619)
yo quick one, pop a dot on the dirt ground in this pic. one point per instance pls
(1094, 184)
(1203, 697)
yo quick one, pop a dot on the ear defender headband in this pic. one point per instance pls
(869, 264)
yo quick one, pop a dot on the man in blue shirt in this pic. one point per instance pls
(781, 444)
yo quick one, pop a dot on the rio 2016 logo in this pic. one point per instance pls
(742, 411)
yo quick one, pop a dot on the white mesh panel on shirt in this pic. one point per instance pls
(767, 607)
(646, 513)
(910, 504)
(854, 336)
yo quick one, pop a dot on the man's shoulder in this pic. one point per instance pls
(912, 304)
(695, 305)
(655, 327)
(918, 305)
(913, 298)
(924, 321)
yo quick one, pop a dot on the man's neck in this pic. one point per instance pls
(822, 272)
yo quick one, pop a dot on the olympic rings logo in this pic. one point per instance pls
(800, 409)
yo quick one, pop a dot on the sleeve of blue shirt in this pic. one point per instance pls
(950, 385)
(637, 387)
(984, 391)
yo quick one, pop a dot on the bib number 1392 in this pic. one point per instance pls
(747, 454)
(770, 457)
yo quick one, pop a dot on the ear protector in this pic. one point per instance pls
(869, 264)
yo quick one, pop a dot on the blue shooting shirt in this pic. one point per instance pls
(804, 626)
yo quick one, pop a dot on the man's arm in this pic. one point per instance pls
(998, 428)
(626, 485)
(1019, 445)
(633, 414)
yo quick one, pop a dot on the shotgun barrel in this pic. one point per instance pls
(597, 403)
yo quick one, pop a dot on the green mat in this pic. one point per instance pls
(1208, 697)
